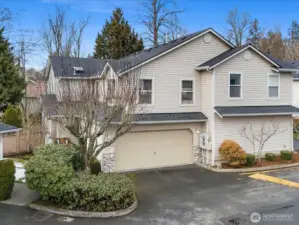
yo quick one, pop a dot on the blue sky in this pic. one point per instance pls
(198, 14)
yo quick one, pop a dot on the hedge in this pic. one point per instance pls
(13, 116)
(232, 151)
(7, 178)
(286, 155)
(250, 160)
(270, 157)
(51, 171)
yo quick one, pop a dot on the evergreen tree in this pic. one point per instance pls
(117, 38)
(294, 31)
(11, 83)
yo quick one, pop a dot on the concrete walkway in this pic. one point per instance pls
(21, 195)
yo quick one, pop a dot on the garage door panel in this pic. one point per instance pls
(140, 150)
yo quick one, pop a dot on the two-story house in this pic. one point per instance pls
(198, 90)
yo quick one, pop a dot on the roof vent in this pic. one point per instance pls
(183, 38)
(78, 69)
(173, 41)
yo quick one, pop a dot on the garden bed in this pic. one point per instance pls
(266, 163)
(60, 209)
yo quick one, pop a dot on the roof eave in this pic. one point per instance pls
(165, 121)
(10, 131)
(202, 68)
(288, 70)
(256, 114)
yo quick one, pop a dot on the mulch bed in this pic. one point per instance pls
(264, 162)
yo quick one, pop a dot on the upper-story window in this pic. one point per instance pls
(235, 85)
(145, 91)
(187, 92)
(273, 86)
(111, 85)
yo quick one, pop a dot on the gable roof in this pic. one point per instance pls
(217, 60)
(63, 66)
(146, 55)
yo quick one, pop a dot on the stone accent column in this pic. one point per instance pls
(108, 160)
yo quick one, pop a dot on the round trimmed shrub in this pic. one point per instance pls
(95, 167)
(250, 160)
(232, 152)
(286, 155)
(7, 178)
(270, 157)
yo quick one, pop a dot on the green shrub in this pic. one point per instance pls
(64, 153)
(101, 193)
(95, 167)
(270, 157)
(13, 116)
(7, 178)
(51, 172)
(250, 159)
(286, 155)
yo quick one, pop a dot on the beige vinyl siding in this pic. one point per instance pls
(296, 93)
(229, 128)
(168, 71)
(206, 96)
(254, 82)
(52, 83)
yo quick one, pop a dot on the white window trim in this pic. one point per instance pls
(181, 89)
(268, 82)
(228, 86)
(153, 88)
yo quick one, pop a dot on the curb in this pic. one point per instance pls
(246, 170)
(75, 213)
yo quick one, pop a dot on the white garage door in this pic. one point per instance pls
(154, 149)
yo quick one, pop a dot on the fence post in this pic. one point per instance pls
(18, 142)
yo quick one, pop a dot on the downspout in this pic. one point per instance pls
(213, 117)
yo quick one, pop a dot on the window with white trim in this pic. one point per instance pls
(235, 87)
(187, 92)
(145, 91)
(111, 85)
(273, 86)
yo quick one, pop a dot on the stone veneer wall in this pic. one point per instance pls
(108, 160)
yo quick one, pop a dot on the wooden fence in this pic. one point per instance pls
(21, 142)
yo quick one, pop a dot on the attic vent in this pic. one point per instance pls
(78, 69)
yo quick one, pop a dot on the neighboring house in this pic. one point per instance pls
(34, 90)
(295, 83)
(198, 90)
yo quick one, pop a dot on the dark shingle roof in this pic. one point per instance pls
(5, 128)
(260, 110)
(232, 51)
(170, 117)
(295, 63)
(63, 66)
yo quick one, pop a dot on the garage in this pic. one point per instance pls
(154, 149)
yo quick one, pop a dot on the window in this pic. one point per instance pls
(273, 86)
(235, 85)
(145, 91)
(187, 92)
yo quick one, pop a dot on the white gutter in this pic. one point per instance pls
(203, 68)
(10, 131)
(288, 70)
(218, 113)
(257, 114)
(164, 121)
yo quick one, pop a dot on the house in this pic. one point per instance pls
(295, 63)
(34, 90)
(198, 90)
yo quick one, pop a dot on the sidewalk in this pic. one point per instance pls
(21, 195)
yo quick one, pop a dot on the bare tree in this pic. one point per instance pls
(63, 38)
(5, 18)
(92, 110)
(157, 17)
(259, 135)
(238, 25)
(175, 29)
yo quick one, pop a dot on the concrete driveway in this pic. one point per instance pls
(186, 196)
